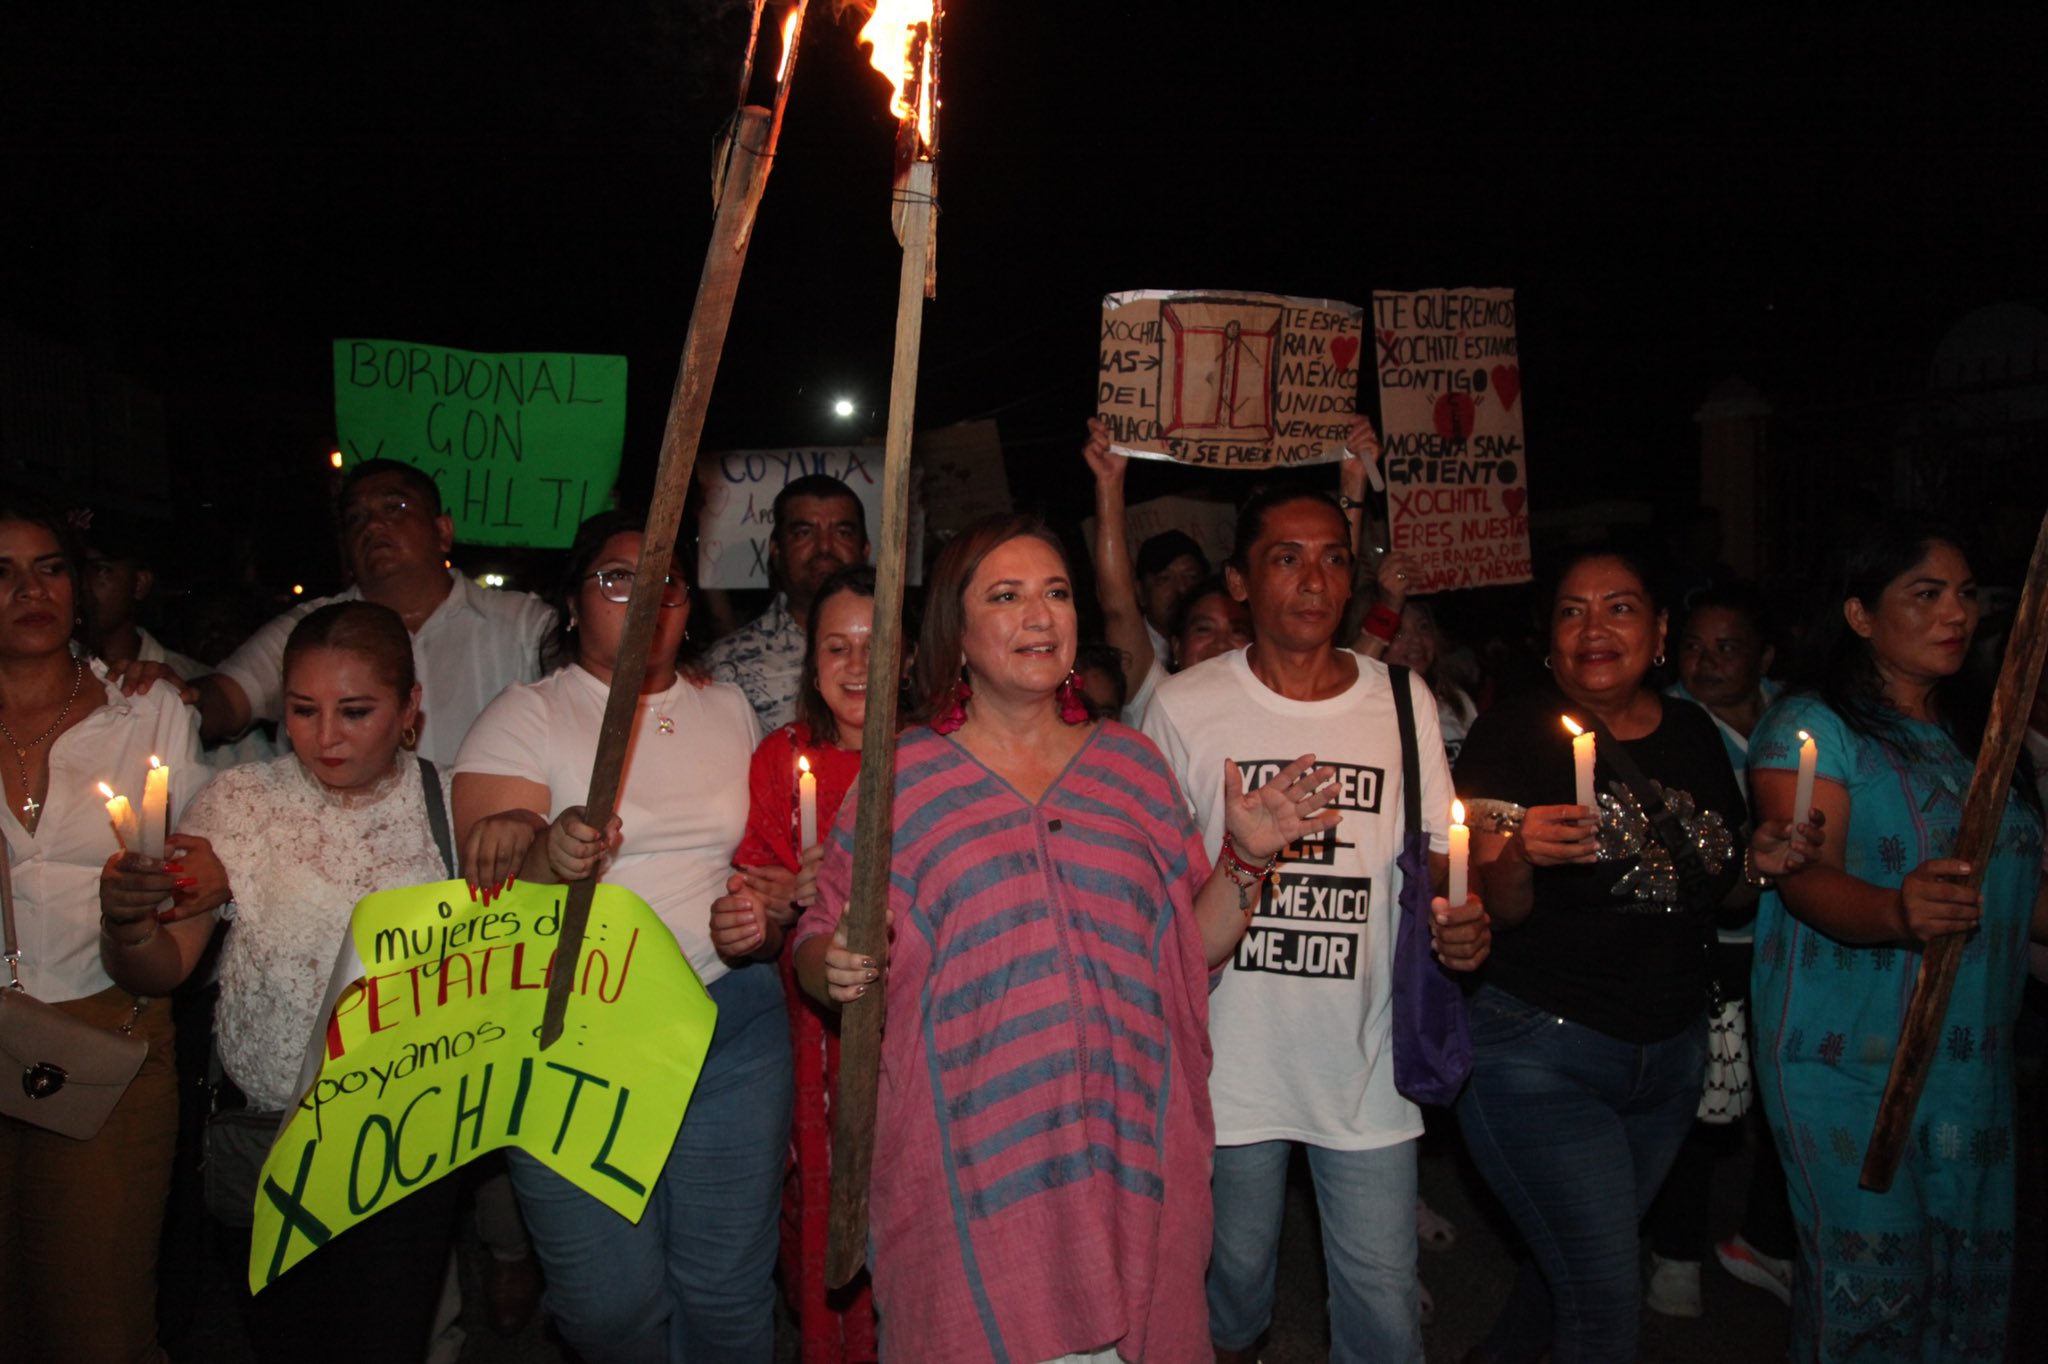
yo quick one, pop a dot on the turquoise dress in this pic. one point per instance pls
(1923, 1272)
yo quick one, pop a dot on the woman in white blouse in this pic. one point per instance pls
(78, 1219)
(692, 1279)
(292, 845)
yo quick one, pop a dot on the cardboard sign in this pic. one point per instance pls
(961, 474)
(1228, 380)
(739, 489)
(1213, 525)
(522, 446)
(1451, 435)
(430, 1056)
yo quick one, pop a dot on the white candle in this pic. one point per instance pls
(1802, 794)
(1582, 765)
(806, 804)
(122, 816)
(156, 809)
(1461, 841)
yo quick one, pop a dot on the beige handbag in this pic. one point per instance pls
(56, 1071)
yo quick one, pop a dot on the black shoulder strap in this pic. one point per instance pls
(437, 813)
(1411, 760)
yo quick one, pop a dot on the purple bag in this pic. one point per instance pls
(1432, 1040)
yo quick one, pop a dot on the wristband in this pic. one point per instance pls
(1382, 622)
(1236, 861)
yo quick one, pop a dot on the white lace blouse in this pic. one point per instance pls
(298, 857)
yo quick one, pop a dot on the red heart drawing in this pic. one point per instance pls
(1513, 498)
(1454, 416)
(1343, 350)
(1507, 382)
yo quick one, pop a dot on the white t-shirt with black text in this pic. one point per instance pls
(1301, 1022)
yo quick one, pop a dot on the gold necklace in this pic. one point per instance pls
(30, 806)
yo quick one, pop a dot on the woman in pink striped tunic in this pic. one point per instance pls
(1043, 1134)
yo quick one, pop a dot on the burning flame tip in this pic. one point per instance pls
(789, 23)
(803, 762)
(1457, 812)
(1568, 724)
(901, 60)
(1804, 736)
(106, 791)
(154, 761)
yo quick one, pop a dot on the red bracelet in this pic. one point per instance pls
(1382, 622)
(1251, 869)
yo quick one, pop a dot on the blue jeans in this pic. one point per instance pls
(691, 1282)
(1367, 1202)
(1574, 1131)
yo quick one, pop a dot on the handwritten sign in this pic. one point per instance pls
(739, 488)
(1451, 432)
(430, 1057)
(522, 446)
(1228, 380)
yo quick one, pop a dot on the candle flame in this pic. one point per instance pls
(803, 762)
(1457, 812)
(154, 761)
(1804, 737)
(899, 31)
(1571, 726)
(106, 791)
(789, 23)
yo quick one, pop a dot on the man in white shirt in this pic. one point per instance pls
(469, 643)
(820, 528)
(1302, 1022)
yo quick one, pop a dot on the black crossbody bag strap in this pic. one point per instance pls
(437, 814)
(1411, 758)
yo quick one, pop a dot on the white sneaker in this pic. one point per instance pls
(1674, 1287)
(1745, 1262)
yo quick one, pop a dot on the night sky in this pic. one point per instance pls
(202, 198)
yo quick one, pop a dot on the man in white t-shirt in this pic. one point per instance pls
(1302, 1023)
(469, 643)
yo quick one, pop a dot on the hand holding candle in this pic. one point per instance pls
(1802, 792)
(1582, 765)
(156, 810)
(806, 804)
(1461, 841)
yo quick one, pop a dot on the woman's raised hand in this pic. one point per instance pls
(576, 849)
(1291, 805)
(495, 848)
(1555, 835)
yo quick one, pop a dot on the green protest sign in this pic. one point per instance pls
(523, 446)
(430, 1057)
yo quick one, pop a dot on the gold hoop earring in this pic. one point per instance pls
(409, 738)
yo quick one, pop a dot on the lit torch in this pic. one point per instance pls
(905, 39)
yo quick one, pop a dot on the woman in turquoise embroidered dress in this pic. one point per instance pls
(1923, 1272)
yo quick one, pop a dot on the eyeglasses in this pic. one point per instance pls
(616, 585)
(362, 511)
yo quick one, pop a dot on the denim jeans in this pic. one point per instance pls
(691, 1282)
(1367, 1202)
(1574, 1131)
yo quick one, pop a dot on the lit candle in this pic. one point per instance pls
(156, 809)
(1461, 840)
(806, 804)
(1582, 764)
(1802, 794)
(122, 816)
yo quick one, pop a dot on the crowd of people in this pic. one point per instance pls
(1151, 845)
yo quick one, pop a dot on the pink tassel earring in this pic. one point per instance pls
(955, 714)
(1073, 699)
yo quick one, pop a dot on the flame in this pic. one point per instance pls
(153, 761)
(1570, 726)
(803, 763)
(897, 33)
(106, 791)
(1457, 812)
(789, 23)
(1804, 737)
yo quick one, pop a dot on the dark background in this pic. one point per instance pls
(201, 198)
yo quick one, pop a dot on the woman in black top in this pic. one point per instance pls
(1589, 1032)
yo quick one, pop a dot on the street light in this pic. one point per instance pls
(842, 407)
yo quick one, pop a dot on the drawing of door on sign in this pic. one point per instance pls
(1217, 380)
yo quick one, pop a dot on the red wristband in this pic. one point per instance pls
(1382, 622)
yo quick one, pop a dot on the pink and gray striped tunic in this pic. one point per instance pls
(1041, 1179)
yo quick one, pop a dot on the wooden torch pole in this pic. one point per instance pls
(1983, 811)
(860, 1023)
(746, 175)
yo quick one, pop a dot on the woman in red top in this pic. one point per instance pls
(837, 1326)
